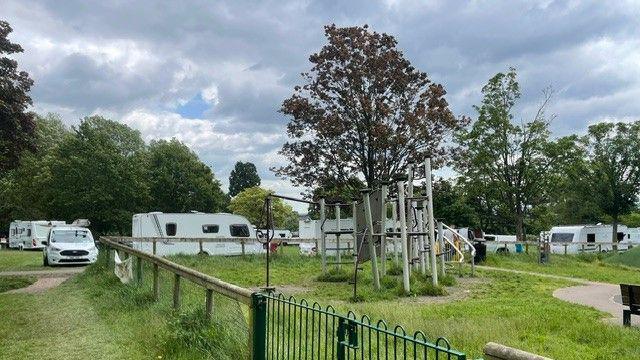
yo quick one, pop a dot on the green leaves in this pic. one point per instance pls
(243, 176)
(249, 203)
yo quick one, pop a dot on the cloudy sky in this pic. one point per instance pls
(213, 74)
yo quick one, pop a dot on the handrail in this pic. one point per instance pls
(455, 248)
(209, 282)
(464, 239)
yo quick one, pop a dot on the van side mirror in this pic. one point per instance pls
(44, 243)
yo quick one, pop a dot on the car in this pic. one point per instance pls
(69, 245)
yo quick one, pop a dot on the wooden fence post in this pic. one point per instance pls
(242, 245)
(154, 247)
(139, 270)
(156, 283)
(209, 304)
(176, 292)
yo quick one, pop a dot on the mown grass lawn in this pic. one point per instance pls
(20, 260)
(108, 320)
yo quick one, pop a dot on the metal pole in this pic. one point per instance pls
(383, 227)
(432, 233)
(403, 238)
(338, 228)
(370, 237)
(323, 244)
(268, 204)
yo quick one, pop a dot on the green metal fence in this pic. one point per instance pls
(299, 330)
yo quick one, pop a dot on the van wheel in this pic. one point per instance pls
(203, 253)
(45, 261)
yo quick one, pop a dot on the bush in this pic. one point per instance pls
(446, 280)
(388, 282)
(335, 275)
(429, 289)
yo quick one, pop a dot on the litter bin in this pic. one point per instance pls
(518, 248)
(481, 252)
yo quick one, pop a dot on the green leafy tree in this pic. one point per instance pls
(180, 182)
(450, 205)
(614, 168)
(504, 162)
(243, 176)
(25, 190)
(363, 111)
(17, 126)
(249, 203)
(100, 173)
(631, 220)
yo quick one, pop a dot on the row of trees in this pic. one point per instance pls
(364, 112)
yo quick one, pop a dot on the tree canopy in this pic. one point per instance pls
(17, 125)
(243, 176)
(179, 181)
(249, 203)
(363, 111)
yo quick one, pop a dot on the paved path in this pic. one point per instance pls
(61, 272)
(47, 279)
(600, 296)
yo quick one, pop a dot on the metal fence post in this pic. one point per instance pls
(342, 332)
(258, 327)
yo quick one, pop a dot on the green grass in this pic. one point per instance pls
(15, 282)
(586, 266)
(20, 260)
(630, 258)
(108, 320)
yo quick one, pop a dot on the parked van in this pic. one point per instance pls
(196, 225)
(69, 245)
(30, 234)
(593, 237)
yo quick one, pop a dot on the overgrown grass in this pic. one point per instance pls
(106, 319)
(587, 266)
(630, 258)
(20, 260)
(15, 282)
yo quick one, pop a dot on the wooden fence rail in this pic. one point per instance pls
(209, 283)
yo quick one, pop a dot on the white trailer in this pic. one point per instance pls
(195, 225)
(590, 237)
(30, 234)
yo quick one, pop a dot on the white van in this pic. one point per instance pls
(69, 245)
(30, 234)
(194, 225)
(591, 237)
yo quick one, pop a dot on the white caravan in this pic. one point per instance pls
(592, 237)
(30, 234)
(198, 226)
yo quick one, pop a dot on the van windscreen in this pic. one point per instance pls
(71, 236)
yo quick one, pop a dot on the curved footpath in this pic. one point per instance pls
(47, 279)
(600, 296)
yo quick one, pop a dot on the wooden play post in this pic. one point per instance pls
(431, 222)
(354, 211)
(336, 208)
(323, 244)
(411, 244)
(403, 237)
(383, 227)
(394, 216)
(370, 237)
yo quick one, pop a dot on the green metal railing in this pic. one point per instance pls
(299, 330)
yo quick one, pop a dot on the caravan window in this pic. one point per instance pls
(210, 229)
(29, 232)
(239, 230)
(171, 229)
(561, 237)
(13, 232)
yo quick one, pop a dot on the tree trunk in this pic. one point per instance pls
(519, 226)
(614, 235)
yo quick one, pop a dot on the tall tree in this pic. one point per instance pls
(364, 111)
(17, 126)
(614, 163)
(505, 160)
(25, 190)
(243, 176)
(100, 173)
(179, 181)
(249, 203)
